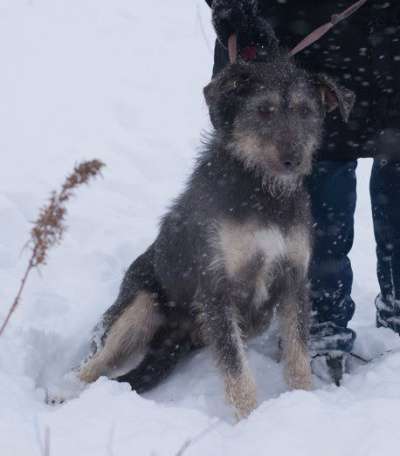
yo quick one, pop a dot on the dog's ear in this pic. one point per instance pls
(224, 92)
(335, 95)
(234, 80)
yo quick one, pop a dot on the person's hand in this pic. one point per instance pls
(242, 18)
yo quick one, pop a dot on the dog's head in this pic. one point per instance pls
(270, 115)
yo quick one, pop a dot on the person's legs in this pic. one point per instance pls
(332, 187)
(385, 198)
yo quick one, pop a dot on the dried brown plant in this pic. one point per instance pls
(49, 227)
(191, 441)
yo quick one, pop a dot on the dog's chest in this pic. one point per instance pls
(251, 257)
(250, 250)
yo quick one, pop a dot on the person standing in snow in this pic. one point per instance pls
(362, 53)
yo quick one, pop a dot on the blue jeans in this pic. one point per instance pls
(333, 195)
(385, 197)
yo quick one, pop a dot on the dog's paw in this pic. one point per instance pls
(301, 383)
(66, 388)
(241, 392)
(298, 376)
(53, 399)
(94, 368)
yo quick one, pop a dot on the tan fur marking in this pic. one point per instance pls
(240, 389)
(249, 148)
(261, 291)
(273, 97)
(299, 94)
(241, 392)
(129, 334)
(295, 353)
(297, 98)
(299, 246)
(247, 141)
(298, 371)
(237, 245)
(311, 144)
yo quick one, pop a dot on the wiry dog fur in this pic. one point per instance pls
(235, 246)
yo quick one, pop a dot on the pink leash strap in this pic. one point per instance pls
(323, 29)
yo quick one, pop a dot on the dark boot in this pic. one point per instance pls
(335, 365)
(387, 313)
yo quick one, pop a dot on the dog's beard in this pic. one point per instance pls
(281, 185)
(253, 161)
(276, 184)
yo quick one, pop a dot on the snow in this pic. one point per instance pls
(122, 81)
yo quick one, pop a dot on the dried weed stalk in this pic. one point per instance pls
(50, 226)
(191, 441)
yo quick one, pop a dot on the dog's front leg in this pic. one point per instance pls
(294, 315)
(221, 331)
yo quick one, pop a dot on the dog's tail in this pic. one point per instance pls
(165, 351)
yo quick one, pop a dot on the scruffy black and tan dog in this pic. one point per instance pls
(235, 246)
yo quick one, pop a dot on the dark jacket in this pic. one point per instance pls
(363, 53)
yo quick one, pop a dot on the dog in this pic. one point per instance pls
(234, 248)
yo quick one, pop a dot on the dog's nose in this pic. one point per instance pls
(291, 164)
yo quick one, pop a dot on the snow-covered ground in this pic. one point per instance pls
(122, 81)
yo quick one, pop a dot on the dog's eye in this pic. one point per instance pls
(266, 112)
(304, 110)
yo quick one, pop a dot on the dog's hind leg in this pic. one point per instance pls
(129, 324)
(164, 352)
(129, 334)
